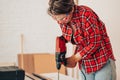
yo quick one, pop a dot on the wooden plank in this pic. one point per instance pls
(54, 76)
(31, 76)
(22, 59)
(76, 2)
(39, 63)
(28, 61)
(41, 77)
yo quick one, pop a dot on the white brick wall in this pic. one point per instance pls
(30, 18)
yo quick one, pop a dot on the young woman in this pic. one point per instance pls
(81, 26)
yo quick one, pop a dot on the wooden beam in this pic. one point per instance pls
(76, 2)
(22, 59)
(36, 76)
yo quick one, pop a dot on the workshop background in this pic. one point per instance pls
(39, 30)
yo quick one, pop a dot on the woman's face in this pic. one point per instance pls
(62, 18)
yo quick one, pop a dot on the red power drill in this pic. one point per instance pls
(60, 51)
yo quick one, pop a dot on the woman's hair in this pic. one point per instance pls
(57, 7)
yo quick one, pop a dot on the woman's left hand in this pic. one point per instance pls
(72, 61)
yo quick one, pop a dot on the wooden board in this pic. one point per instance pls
(39, 63)
(54, 76)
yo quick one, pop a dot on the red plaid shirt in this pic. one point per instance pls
(90, 38)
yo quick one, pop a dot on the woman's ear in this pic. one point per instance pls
(72, 9)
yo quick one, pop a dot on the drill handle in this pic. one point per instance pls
(60, 59)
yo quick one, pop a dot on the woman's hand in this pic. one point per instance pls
(72, 61)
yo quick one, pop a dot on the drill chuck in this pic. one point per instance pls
(60, 59)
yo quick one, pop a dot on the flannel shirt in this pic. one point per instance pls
(90, 38)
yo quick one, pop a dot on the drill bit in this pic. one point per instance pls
(58, 74)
